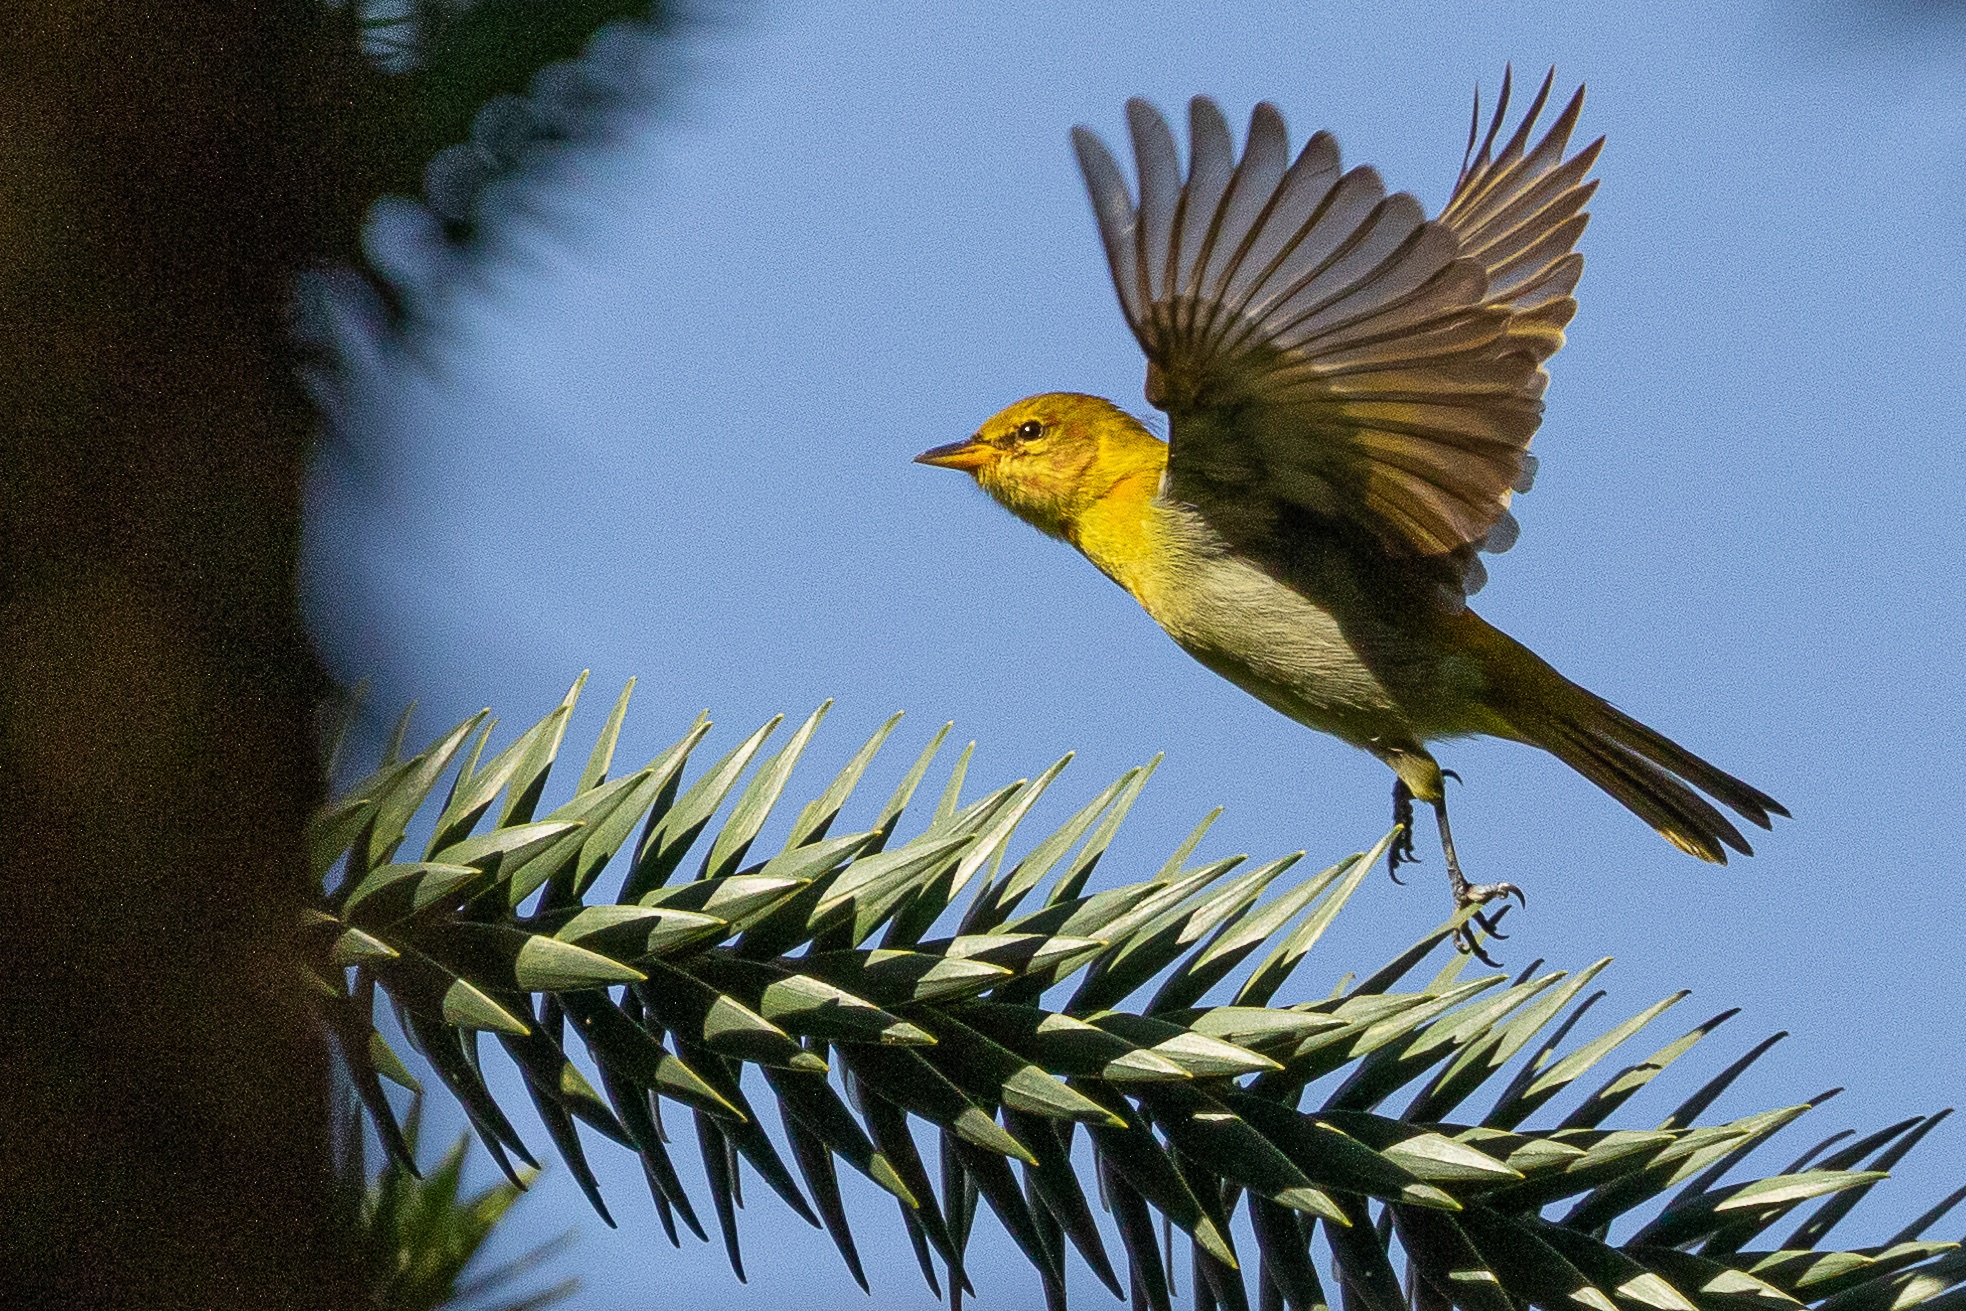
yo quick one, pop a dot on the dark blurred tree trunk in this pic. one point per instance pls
(164, 1102)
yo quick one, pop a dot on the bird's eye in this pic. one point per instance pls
(1029, 430)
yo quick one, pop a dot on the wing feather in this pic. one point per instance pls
(1238, 218)
(1211, 167)
(1158, 163)
(1508, 278)
(1300, 198)
(1112, 208)
(1553, 197)
(1333, 360)
(1341, 222)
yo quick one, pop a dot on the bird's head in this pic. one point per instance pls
(1047, 457)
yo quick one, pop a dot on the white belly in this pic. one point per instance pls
(1274, 643)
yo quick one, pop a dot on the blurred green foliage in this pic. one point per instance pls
(419, 1236)
(429, 79)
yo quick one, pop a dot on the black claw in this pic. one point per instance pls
(1401, 852)
(1448, 773)
(1467, 944)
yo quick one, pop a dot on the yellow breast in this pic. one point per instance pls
(1124, 532)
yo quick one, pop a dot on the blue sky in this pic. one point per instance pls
(667, 433)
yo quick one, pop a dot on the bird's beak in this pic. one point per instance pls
(968, 454)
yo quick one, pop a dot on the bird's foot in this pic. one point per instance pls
(1467, 895)
(1401, 852)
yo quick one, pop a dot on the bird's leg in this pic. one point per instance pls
(1401, 852)
(1420, 778)
(1470, 894)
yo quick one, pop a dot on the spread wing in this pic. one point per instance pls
(1332, 360)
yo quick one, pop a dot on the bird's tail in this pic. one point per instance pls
(1651, 775)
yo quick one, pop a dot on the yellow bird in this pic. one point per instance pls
(1351, 390)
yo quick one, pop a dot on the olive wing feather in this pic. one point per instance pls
(1331, 359)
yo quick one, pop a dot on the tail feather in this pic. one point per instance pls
(1750, 803)
(1681, 815)
(1651, 775)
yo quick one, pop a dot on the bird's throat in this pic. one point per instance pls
(1119, 531)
